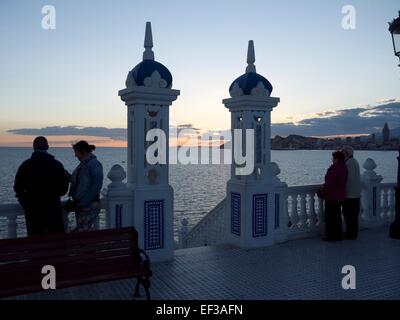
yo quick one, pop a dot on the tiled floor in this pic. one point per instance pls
(300, 269)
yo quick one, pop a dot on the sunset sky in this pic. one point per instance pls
(69, 77)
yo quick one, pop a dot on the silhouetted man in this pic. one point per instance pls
(351, 205)
(39, 184)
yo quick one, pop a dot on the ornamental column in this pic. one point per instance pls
(255, 198)
(148, 96)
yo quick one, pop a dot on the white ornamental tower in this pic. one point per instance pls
(148, 95)
(254, 207)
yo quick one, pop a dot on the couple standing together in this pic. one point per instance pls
(41, 181)
(342, 192)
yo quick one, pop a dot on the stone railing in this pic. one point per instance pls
(385, 202)
(304, 211)
(12, 220)
(210, 230)
(114, 198)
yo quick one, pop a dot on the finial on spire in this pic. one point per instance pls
(148, 53)
(251, 57)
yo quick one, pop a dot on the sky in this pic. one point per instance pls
(69, 77)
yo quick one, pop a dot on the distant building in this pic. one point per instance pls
(386, 133)
(373, 138)
(349, 140)
(357, 140)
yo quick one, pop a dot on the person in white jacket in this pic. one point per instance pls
(351, 205)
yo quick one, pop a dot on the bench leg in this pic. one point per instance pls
(146, 285)
(137, 287)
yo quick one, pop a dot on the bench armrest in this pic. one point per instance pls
(146, 257)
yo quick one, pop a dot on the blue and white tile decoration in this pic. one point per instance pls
(235, 213)
(277, 208)
(118, 215)
(154, 224)
(260, 203)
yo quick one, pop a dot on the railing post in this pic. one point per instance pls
(321, 214)
(65, 215)
(385, 205)
(294, 216)
(303, 211)
(370, 196)
(183, 232)
(312, 214)
(391, 204)
(12, 226)
(119, 200)
(281, 213)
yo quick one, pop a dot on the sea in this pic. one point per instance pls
(197, 188)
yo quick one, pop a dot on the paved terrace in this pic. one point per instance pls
(300, 269)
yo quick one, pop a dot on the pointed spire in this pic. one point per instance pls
(148, 53)
(251, 58)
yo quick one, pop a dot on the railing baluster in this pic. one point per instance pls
(294, 217)
(12, 226)
(392, 203)
(321, 213)
(385, 205)
(312, 215)
(303, 211)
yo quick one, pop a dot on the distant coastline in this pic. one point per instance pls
(297, 142)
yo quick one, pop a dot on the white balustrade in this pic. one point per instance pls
(303, 209)
(304, 212)
(387, 197)
(15, 220)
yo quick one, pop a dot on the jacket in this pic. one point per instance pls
(353, 186)
(86, 181)
(40, 181)
(334, 188)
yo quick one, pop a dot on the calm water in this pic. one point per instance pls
(198, 188)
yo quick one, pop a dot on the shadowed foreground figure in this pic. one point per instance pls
(39, 183)
(334, 193)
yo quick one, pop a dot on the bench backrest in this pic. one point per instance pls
(78, 258)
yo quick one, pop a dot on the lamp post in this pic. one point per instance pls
(395, 226)
(394, 29)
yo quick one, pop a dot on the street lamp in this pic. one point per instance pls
(394, 29)
(395, 226)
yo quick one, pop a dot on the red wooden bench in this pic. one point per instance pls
(79, 258)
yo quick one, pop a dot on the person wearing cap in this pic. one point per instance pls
(351, 205)
(39, 183)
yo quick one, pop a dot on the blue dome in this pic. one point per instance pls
(145, 69)
(249, 81)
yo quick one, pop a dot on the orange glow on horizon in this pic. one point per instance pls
(59, 141)
(66, 141)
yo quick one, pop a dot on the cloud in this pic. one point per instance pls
(118, 134)
(360, 120)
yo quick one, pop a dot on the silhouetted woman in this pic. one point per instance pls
(86, 183)
(334, 193)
